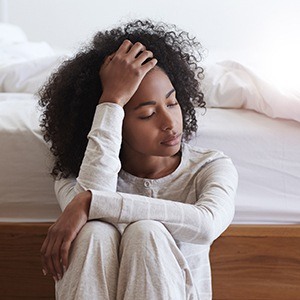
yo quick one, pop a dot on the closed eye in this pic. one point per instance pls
(147, 117)
(172, 104)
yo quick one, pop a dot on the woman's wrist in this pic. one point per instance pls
(83, 200)
(111, 99)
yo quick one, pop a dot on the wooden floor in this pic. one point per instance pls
(248, 262)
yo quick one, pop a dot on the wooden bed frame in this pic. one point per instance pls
(248, 262)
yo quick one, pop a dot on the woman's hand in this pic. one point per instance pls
(55, 249)
(123, 71)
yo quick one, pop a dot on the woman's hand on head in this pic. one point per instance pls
(123, 71)
(56, 247)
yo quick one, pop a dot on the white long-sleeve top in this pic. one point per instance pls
(195, 202)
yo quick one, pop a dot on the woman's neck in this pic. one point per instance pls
(152, 167)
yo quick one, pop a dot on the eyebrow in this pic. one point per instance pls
(145, 104)
(152, 102)
(170, 93)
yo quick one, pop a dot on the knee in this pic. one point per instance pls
(98, 232)
(144, 231)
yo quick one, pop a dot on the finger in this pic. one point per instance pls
(43, 251)
(112, 56)
(64, 254)
(48, 256)
(124, 48)
(143, 57)
(149, 65)
(136, 49)
(105, 62)
(56, 259)
(108, 59)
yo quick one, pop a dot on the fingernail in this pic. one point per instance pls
(59, 276)
(54, 278)
(65, 269)
(44, 272)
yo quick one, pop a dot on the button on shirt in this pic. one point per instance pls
(147, 184)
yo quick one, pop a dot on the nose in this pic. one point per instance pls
(167, 122)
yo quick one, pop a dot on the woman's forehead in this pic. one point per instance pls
(155, 84)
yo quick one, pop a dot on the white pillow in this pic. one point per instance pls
(28, 76)
(10, 34)
(228, 84)
(22, 52)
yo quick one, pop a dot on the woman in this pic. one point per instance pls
(140, 206)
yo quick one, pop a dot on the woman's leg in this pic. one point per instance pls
(94, 264)
(151, 265)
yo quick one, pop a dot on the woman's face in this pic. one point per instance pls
(153, 119)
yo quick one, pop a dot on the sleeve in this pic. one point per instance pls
(199, 223)
(101, 164)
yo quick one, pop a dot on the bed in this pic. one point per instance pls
(258, 126)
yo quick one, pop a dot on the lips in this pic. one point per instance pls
(172, 140)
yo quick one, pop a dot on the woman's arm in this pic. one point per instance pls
(101, 164)
(200, 223)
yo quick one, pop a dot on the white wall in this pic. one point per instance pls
(264, 34)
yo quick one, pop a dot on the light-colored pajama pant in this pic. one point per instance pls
(142, 263)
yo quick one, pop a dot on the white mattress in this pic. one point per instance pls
(26, 189)
(266, 153)
(264, 150)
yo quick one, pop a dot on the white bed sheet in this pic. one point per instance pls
(266, 153)
(264, 150)
(26, 189)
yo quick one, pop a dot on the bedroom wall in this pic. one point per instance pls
(263, 34)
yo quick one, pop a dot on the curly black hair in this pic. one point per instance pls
(70, 96)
